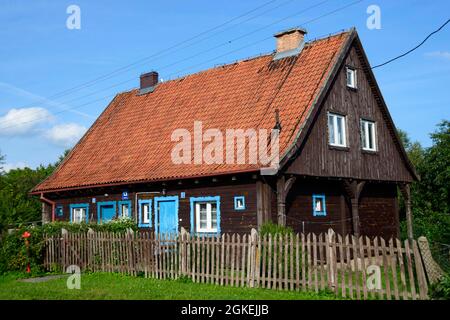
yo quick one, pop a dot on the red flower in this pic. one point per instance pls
(26, 235)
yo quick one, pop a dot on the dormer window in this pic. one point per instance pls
(351, 77)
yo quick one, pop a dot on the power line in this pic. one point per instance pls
(196, 55)
(413, 49)
(215, 58)
(127, 67)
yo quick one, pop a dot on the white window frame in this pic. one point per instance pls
(365, 138)
(209, 228)
(82, 217)
(122, 211)
(335, 118)
(145, 213)
(354, 78)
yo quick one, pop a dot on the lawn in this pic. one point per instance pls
(106, 286)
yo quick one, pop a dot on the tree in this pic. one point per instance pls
(16, 204)
(2, 162)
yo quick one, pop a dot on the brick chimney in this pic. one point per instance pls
(289, 42)
(148, 82)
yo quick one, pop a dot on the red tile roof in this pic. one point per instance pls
(131, 140)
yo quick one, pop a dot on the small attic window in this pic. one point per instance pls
(351, 77)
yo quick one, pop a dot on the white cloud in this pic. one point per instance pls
(65, 135)
(11, 166)
(23, 121)
(439, 54)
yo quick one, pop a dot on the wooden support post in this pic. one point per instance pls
(283, 187)
(353, 189)
(281, 201)
(263, 203)
(406, 191)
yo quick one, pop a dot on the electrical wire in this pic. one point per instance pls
(413, 49)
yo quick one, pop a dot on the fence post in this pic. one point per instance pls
(432, 269)
(64, 234)
(252, 257)
(331, 239)
(183, 250)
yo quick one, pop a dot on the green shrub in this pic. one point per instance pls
(441, 290)
(275, 229)
(13, 252)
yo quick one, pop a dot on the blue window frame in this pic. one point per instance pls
(205, 215)
(145, 213)
(59, 211)
(106, 211)
(239, 203)
(319, 205)
(74, 210)
(125, 209)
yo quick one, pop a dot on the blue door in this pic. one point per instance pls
(166, 209)
(106, 211)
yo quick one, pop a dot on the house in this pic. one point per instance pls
(340, 159)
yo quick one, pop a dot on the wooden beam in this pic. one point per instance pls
(281, 201)
(263, 199)
(353, 189)
(406, 191)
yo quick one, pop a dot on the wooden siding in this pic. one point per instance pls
(317, 158)
(378, 208)
(239, 221)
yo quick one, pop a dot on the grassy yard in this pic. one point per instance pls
(105, 286)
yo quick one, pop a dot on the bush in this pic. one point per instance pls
(275, 229)
(13, 252)
(441, 290)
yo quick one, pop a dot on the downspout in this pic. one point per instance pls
(50, 202)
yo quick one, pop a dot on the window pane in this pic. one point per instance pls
(331, 129)
(203, 216)
(340, 130)
(371, 135)
(124, 210)
(146, 213)
(213, 215)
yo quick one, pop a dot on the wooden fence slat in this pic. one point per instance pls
(393, 260)
(387, 281)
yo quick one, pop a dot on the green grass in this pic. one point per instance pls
(105, 286)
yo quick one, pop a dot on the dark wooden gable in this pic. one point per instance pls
(315, 157)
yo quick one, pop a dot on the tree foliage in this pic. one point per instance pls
(430, 196)
(16, 204)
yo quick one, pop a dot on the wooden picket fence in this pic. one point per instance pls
(352, 268)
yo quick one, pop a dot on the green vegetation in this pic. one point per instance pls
(430, 196)
(441, 290)
(13, 252)
(275, 229)
(116, 286)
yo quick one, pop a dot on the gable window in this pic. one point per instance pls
(337, 130)
(59, 211)
(145, 217)
(368, 135)
(79, 213)
(124, 209)
(239, 203)
(205, 214)
(351, 77)
(319, 208)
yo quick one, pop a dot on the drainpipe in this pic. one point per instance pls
(50, 202)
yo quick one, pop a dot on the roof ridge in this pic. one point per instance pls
(247, 59)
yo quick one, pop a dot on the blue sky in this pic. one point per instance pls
(40, 57)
